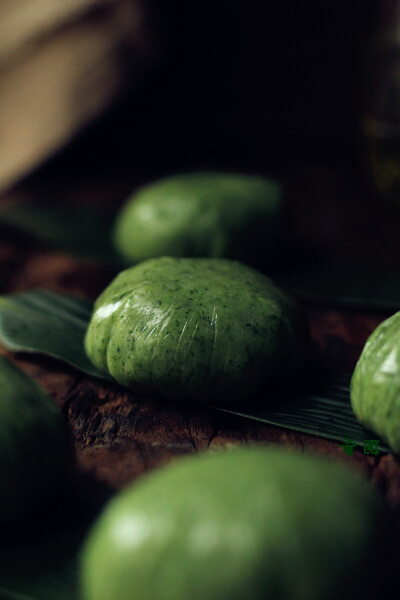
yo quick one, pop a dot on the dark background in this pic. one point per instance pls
(257, 86)
(275, 88)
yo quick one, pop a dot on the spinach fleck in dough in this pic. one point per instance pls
(199, 329)
(214, 215)
(375, 385)
(34, 448)
(251, 523)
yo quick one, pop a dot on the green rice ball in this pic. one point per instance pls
(35, 450)
(375, 385)
(215, 215)
(254, 523)
(208, 330)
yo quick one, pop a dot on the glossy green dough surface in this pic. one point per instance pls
(215, 215)
(375, 385)
(197, 329)
(254, 523)
(33, 444)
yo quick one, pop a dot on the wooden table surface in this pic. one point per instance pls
(118, 435)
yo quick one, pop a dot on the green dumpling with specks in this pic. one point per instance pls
(214, 215)
(375, 385)
(35, 450)
(196, 329)
(251, 523)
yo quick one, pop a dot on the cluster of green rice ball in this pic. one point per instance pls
(226, 340)
(191, 323)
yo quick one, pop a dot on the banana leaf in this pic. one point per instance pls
(45, 322)
(40, 560)
(82, 230)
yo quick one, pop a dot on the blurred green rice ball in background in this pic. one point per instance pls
(210, 214)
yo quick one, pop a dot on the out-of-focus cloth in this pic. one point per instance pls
(61, 64)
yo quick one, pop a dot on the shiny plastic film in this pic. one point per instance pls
(205, 330)
(375, 386)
